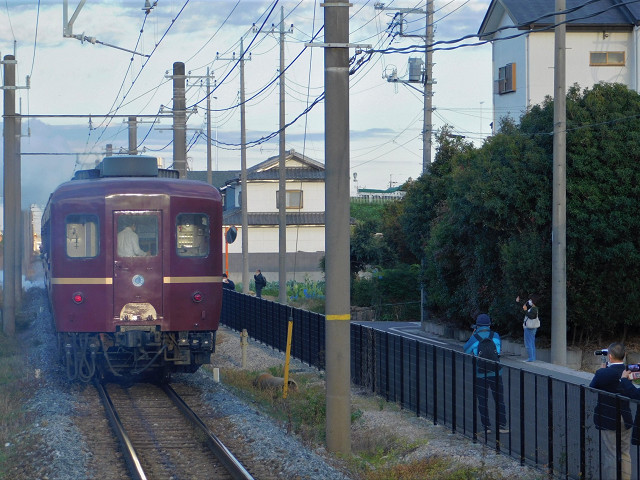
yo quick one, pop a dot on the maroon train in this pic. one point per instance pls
(133, 263)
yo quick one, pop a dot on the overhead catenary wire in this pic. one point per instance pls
(372, 62)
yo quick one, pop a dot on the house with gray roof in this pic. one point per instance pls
(305, 186)
(603, 45)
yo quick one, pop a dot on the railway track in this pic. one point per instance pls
(161, 437)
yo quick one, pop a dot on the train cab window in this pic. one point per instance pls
(82, 236)
(137, 235)
(192, 233)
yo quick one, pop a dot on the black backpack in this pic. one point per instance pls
(488, 351)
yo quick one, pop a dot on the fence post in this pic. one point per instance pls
(418, 379)
(550, 421)
(583, 434)
(435, 385)
(474, 389)
(453, 391)
(522, 446)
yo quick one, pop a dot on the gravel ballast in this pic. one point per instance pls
(55, 449)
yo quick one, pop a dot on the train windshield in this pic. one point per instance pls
(192, 232)
(137, 235)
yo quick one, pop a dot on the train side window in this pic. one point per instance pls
(82, 236)
(192, 234)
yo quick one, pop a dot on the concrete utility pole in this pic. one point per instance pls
(243, 170)
(243, 178)
(559, 216)
(428, 91)
(336, 124)
(282, 170)
(133, 135)
(282, 183)
(427, 75)
(209, 174)
(11, 164)
(427, 95)
(19, 220)
(179, 120)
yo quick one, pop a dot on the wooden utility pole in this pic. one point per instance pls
(559, 215)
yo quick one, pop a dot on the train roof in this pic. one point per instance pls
(124, 175)
(126, 166)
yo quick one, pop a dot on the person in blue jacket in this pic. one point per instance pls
(486, 378)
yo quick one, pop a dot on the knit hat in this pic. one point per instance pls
(483, 320)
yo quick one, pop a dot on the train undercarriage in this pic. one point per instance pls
(135, 352)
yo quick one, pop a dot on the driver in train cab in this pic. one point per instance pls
(129, 243)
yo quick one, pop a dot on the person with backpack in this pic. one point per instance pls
(485, 344)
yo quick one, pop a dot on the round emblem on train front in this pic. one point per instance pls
(137, 280)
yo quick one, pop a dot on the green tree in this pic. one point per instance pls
(482, 216)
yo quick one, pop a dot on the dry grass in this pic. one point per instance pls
(380, 451)
(302, 412)
(16, 384)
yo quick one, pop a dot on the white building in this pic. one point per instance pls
(602, 40)
(305, 188)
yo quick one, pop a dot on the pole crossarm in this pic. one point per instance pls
(339, 45)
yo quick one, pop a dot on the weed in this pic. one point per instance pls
(16, 385)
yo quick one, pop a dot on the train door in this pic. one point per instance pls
(137, 265)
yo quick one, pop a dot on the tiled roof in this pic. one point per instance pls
(291, 174)
(272, 162)
(234, 217)
(218, 177)
(532, 13)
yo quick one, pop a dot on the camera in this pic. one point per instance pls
(604, 351)
(633, 367)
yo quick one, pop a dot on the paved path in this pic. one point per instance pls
(413, 330)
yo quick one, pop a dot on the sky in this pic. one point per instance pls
(72, 77)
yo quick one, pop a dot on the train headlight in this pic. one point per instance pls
(197, 297)
(78, 298)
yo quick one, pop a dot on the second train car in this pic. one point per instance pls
(133, 269)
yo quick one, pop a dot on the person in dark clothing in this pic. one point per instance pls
(605, 419)
(530, 324)
(485, 376)
(631, 391)
(227, 282)
(261, 282)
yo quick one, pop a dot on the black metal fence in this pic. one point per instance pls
(266, 321)
(549, 421)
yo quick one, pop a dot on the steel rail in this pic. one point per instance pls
(233, 466)
(130, 455)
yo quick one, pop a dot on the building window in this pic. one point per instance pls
(192, 232)
(82, 236)
(506, 79)
(294, 199)
(606, 59)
